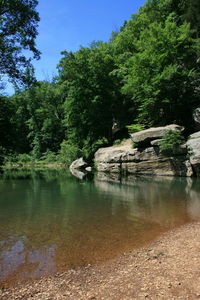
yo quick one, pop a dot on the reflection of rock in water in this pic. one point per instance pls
(15, 256)
(193, 192)
(79, 174)
(163, 200)
(108, 177)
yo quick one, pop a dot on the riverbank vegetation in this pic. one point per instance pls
(147, 74)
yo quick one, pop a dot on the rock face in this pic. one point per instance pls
(155, 142)
(193, 145)
(145, 136)
(78, 168)
(78, 164)
(196, 117)
(146, 161)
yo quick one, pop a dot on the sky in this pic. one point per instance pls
(69, 24)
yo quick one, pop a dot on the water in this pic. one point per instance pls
(51, 221)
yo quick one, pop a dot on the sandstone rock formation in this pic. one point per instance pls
(193, 145)
(145, 161)
(196, 117)
(78, 167)
(78, 164)
(144, 137)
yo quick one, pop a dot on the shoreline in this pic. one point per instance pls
(34, 166)
(167, 268)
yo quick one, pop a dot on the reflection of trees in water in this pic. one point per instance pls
(85, 220)
(165, 200)
(49, 208)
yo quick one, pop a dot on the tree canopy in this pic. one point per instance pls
(18, 31)
(147, 74)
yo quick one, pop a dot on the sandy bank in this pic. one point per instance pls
(169, 268)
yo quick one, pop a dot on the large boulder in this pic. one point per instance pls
(144, 137)
(78, 167)
(196, 117)
(156, 143)
(163, 166)
(78, 164)
(146, 161)
(109, 159)
(193, 145)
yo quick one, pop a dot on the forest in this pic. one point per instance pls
(147, 74)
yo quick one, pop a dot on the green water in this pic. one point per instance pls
(50, 221)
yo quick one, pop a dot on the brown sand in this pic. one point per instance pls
(169, 268)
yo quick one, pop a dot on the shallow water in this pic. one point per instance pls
(51, 221)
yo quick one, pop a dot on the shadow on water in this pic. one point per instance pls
(51, 221)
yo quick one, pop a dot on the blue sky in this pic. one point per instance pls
(69, 24)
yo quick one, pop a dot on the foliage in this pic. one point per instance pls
(68, 153)
(2, 155)
(147, 74)
(117, 142)
(41, 107)
(162, 75)
(90, 148)
(135, 128)
(169, 143)
(24, 158)
(49, 157)
(18, 31)
(93, 98)
(6, 124)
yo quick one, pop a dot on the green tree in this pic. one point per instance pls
(38, 118)
(163, 74)
(192, 15)
(6, 126)
(18, 30)
(170, 142)
(45, 105)
(93, 97)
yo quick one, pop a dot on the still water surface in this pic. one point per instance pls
(51, 221)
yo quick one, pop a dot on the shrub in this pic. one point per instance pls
(90, 148)
(2, 155)
(169, 143)
(24, 158)
(10, 158)
(117, 142)
(134, 145)
(135, 128)
(49, 157)
(68, 152)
